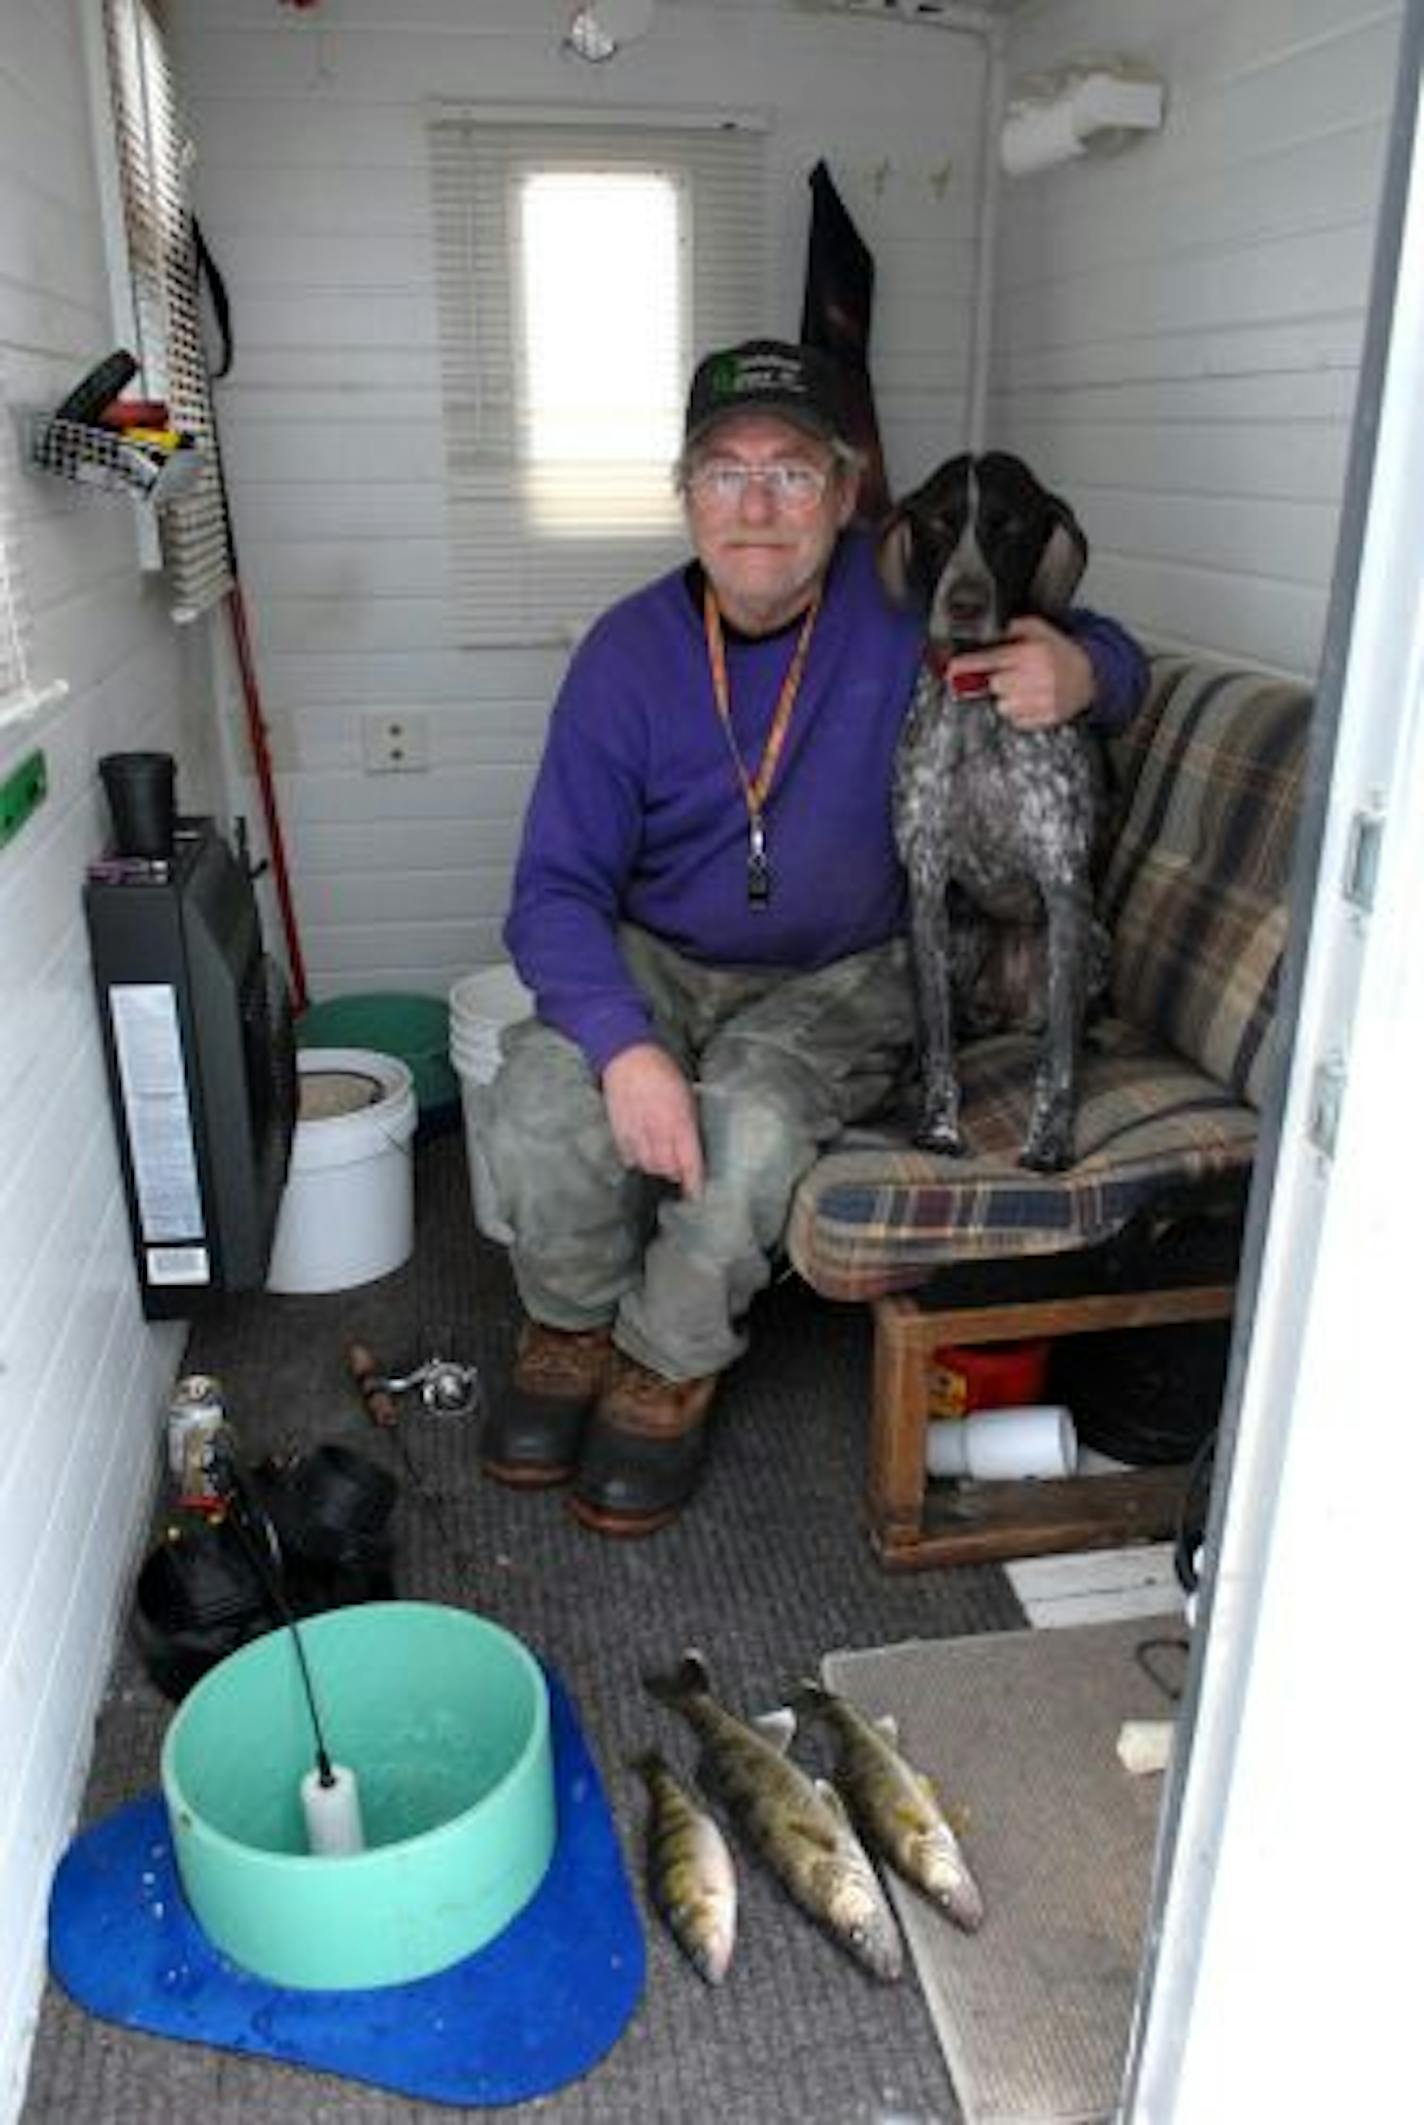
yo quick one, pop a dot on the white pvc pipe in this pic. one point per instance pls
(922, 14)
(333, 1813)
(996, 89)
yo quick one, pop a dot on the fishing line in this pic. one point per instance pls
(462, 1558)
(446, 1389)
(329, 1795)
(232, 1484)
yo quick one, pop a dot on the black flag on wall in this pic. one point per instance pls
(835, 316)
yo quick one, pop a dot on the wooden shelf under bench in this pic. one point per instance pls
(915, 1523)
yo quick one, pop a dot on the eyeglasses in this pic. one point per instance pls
(788, 484)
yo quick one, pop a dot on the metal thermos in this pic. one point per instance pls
(197, 1424)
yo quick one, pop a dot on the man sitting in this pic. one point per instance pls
(708, 908)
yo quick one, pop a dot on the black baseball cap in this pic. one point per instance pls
(766, 376)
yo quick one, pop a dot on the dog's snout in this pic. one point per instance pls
(968, 605)
(967, 609)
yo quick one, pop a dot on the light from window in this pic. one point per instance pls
(602, 347)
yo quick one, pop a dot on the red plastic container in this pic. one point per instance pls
(994, 1376)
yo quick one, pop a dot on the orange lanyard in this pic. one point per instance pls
(755, 789)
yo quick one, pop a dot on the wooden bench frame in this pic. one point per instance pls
(986, 1523)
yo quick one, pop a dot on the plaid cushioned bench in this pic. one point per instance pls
(1195, 893)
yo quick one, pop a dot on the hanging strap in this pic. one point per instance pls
(755, 790)
(207, 271)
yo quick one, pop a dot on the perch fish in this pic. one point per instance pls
(691, 1876)
(796, 1824)
(895, 1807)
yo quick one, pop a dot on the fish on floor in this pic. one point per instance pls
(691, 1875)
(894, 1806)
(797, 1825)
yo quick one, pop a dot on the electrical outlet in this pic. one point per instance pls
(20, 793)
(395, 742)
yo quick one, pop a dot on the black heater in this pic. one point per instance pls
(197, 1028)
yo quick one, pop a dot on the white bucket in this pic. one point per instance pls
(348, 1210)
(482, 1004)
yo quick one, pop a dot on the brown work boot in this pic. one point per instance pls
(535, 1428)
(643, 1450)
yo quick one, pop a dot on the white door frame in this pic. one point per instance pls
(1272, 1987)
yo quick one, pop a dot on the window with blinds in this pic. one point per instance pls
(580, 271)
(154, 154)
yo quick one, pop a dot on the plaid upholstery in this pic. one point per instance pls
(1208, 781)
(1195, 890)
(870, 1218)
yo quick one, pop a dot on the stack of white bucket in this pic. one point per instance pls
(482, 1004)
(347, 1213)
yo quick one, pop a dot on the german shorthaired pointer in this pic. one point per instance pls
(995, 826)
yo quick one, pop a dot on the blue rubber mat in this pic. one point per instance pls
(532, 2010)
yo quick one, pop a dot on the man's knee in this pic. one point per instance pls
(761, 1118)
(546, 1133)
(544, 1083)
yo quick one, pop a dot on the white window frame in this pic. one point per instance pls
(13, 661)
(20, 697)
(519, 575)
(144, 156)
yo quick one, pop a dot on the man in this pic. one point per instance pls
(708, 908)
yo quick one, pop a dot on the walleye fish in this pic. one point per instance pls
(796, 1824)
(690, 1872)
(895, 1807)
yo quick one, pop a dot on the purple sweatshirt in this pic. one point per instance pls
(637, 813)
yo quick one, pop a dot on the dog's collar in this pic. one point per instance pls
(966, 685)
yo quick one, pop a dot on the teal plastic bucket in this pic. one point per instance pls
(415, 1029)
(443, 1717)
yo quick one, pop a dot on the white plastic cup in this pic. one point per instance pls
(994, 1445)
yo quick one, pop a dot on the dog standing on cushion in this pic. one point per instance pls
(995, 826)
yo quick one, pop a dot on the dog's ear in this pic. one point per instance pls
(892, 556)
(1061, 564)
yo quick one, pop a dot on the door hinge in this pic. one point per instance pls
(1362, 851)
(1327, 1097)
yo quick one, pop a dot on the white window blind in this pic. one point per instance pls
(581, 269)
(19, 696)
(12, 610)
(154, 155)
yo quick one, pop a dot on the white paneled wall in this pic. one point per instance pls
(1177, 328)
(314, 197)
(1176, 337)
(82, 1379)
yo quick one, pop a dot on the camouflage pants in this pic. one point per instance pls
(781, 1062)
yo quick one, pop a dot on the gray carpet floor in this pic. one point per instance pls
(766, 1572)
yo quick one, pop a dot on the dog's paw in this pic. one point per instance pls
(935, 1133)
(1046, 1155)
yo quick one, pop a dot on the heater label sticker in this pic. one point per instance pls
(178, 1265)
(160, 1128)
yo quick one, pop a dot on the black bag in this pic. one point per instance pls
(293, 1539)
(1147, 1396)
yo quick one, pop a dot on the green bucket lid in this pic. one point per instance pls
(415, 1029)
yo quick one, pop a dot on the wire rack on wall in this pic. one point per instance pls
(105, 458)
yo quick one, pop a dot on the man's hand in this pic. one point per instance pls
(1038, 676)
(653, 1115)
